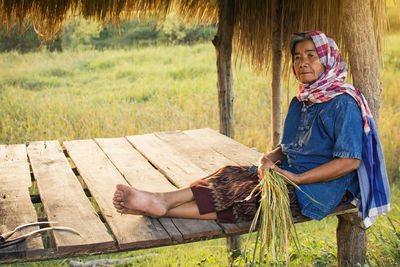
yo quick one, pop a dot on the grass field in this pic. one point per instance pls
(88, 94)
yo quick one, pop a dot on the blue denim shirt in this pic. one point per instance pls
(316, 134)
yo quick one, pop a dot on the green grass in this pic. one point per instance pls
(89, 94)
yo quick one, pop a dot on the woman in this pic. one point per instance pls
(330, 148)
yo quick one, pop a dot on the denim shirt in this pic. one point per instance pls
(314, 135)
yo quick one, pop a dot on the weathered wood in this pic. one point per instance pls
(101, 177)
(363, 56)
(14, 157)
(276, 109)
(226, 146)
(364, 63)
(223, 47)
(351, 240)
(64, 200)
(139, 173)
(234, 246)
(179, 170)
(16, 207)
(52, 254)
(236, 228)
(203, 156)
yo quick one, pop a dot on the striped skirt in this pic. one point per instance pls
(226, 192)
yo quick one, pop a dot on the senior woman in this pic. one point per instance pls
(330, 148)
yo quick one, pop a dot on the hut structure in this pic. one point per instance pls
(256, 31)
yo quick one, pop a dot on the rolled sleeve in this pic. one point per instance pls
(348, 131)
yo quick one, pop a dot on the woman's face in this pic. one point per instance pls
(307, 65)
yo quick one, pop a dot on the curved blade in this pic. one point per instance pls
(7, 235)
(59, 228)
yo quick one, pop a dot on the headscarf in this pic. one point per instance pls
(374, 195)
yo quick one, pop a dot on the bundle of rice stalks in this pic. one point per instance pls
(274, 219)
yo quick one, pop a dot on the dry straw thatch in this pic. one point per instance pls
(253, 20)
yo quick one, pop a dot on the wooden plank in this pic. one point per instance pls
(236, 228)
(14, 156)
(139, 173)
(202, 155)
(16, 207)
(101, 177)
(180, 170)
(65, 201)
(226, 146)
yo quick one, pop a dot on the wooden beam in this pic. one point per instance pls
(363, 56)
(351, 240)
(276, 112)
(223, 47)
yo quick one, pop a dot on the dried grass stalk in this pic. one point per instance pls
(274, 219)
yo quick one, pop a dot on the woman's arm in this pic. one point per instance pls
(326, 172)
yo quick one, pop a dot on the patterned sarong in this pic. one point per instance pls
(225, 193)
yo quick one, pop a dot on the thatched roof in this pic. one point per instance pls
(252, 34)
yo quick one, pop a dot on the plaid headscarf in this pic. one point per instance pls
(374, 195)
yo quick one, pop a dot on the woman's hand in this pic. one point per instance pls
(265, 164)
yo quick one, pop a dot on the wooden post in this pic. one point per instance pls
(234, 245)
(351, 240)
(223, 47)
(363, 58)
(276, 112)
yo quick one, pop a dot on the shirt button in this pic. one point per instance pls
(303, 109)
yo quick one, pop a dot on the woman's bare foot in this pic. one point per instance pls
(123, 210)
(129, 200)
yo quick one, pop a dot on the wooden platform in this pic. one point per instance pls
(76, 182)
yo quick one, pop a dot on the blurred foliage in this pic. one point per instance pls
(78, 33)
(128, 34)
(25, 39)
(389, 237)
(180, 33)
